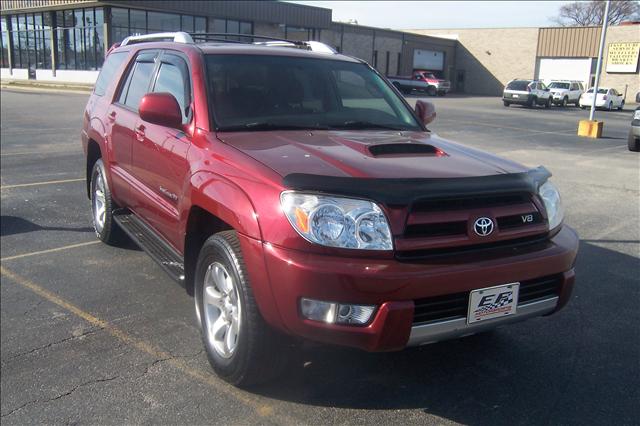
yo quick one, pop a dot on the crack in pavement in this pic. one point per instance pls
(48, 345)
(62, 395)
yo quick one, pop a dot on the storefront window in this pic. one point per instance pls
(4, 44)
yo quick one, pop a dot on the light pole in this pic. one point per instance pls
(605, 24)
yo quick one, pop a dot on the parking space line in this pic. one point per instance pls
(262, 409)
(59, 151)
(53, 250)
(49, 182)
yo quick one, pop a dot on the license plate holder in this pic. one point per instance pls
(493, 302)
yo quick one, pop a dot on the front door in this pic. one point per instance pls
(160, 154)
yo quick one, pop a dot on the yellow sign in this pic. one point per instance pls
(623, 57)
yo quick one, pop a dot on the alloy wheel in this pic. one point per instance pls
(221, 309)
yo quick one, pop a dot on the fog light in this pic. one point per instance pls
(329, 312)
(318, 311)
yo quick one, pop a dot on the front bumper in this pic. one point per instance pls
(393, 286)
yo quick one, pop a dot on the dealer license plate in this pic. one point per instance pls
(493, 302)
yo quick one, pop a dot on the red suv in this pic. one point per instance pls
(295, 193)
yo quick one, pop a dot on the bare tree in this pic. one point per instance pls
(590, 13)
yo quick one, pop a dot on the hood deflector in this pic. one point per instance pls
(405, 191)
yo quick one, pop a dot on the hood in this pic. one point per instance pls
(370, 154)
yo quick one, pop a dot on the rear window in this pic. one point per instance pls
(518, 85)
(107, 75)
(600, 91)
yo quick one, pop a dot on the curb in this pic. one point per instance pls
(46, 86)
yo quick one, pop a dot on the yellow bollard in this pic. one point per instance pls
(590, 128)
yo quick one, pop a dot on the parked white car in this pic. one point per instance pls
(607, 98)
(566, 92)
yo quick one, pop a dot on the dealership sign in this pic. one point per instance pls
(623, 57)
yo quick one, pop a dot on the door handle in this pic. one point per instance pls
(112, 116)
(139, 130)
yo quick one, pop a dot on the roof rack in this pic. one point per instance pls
(176, 37)
(314, 46)
(191, 38)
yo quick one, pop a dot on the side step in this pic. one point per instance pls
(155, 246)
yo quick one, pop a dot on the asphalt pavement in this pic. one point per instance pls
(94, 334)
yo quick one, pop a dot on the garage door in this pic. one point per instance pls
(564, 69)
(428, 60)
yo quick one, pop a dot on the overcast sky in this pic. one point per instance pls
(443, 14)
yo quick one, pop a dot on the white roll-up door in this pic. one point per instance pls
(428, 60)
(564, 69)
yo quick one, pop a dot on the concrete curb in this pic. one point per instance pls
(31, 85)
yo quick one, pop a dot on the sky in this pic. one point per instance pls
(443, 14)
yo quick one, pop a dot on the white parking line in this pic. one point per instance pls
(53, 250)
(49, 182)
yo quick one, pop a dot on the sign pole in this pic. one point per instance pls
(605, 24)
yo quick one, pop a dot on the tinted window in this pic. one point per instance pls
(518, 85)
(287, 92)
(172, 80)
(107, 75)
(139, 84)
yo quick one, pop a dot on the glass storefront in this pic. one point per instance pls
(78, 35)
(80, 38)
(126, 22)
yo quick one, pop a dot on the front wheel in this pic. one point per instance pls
(621, 107)
(633, 143)
(241, 347)
(548, 103)
(565, 101)
(505, 103)
(610, 106)
(431, 91)
(102, 206)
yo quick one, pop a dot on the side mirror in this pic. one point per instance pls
(162, 109)
(426, 111)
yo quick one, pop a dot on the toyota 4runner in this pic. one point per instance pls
(294, 193)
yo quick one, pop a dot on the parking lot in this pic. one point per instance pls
(100, 335)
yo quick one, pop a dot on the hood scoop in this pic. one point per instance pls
(404, 149)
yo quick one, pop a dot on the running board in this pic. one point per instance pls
(149, 240)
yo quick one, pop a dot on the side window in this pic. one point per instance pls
(173, 77)
(107, 75)
(138, 80)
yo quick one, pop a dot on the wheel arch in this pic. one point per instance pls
(94, 153)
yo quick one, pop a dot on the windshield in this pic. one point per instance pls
(556, 85)
(600, 91)
(518, 85)
(255, 92)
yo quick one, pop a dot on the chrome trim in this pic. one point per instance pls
(178, 37)
(432, 332)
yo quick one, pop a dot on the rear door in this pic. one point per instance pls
(160, 153)
(123, 116)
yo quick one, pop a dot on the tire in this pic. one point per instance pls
(565, 102)
(407, 91)
(532, 102)
(583, 107)
(610, 106)
(548, 103)
(256, 353)
(442, 93)
(505, 103)
(621, 107)
(431, 91)
(102, 207)
(633, 143)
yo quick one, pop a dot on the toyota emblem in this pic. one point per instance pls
(483, 226)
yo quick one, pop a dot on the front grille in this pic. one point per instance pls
(436, 229)
(447, 204)
(452, 306)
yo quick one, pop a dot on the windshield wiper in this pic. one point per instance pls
(360, 125)
(265, 125)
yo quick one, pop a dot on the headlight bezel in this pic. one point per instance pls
(552, 202)
(351, 223)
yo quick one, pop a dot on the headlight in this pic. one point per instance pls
(552, 203)
(337, 221)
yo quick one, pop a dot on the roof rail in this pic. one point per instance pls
(314, 46)
(176, 37)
